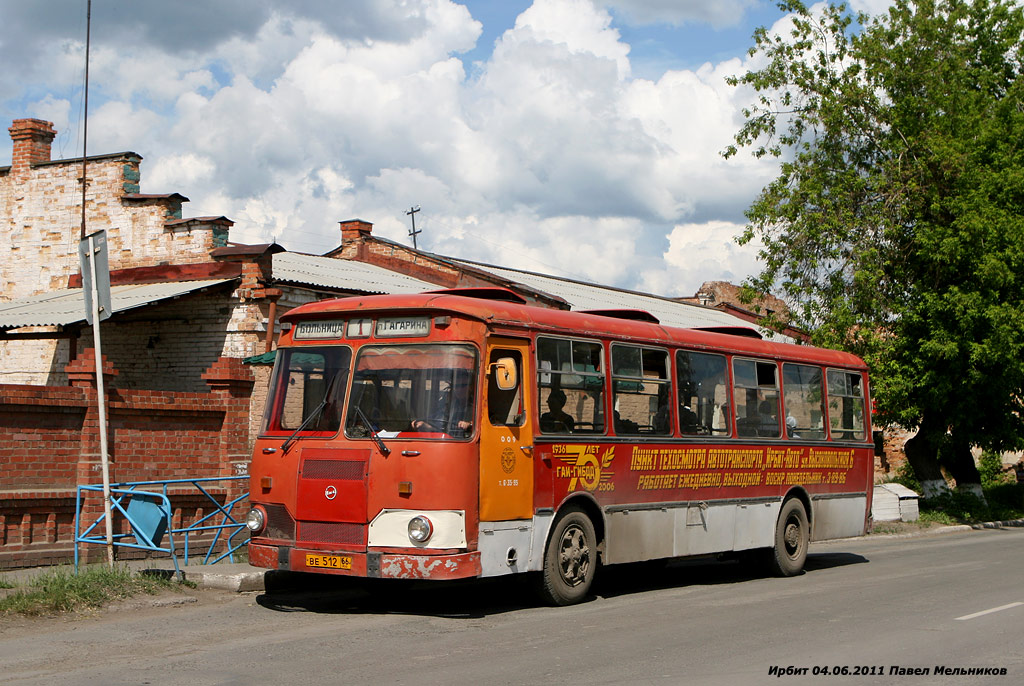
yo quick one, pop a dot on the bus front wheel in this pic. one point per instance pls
(792, 537)
(570, 559)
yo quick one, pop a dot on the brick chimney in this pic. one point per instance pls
(354, 233)
(32, 139)
(355, 230)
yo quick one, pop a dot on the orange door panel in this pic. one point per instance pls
(506, 435)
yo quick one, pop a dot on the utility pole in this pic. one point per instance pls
(85, 109)
(412, 215)
(93, 248)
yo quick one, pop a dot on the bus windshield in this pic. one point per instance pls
(308, 390)
(413, 391)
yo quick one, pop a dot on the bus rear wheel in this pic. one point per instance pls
(792, 537)
(570, 559)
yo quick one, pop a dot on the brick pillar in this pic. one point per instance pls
(82, 371)
(31, 143)
(232, 382)
(82, 374)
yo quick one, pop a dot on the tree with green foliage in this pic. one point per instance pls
(896, 224)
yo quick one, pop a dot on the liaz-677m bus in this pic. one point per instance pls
(465, 433)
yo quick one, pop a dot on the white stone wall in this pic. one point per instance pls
(40, 224)
(40, 228)
(39, 363)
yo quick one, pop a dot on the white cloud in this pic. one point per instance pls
(707, 252)
(552, 158)
(873, 7)
(188, 170)
(574, 24)
(118, 126)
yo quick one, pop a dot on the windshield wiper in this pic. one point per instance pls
(312, 415)
(384, 450)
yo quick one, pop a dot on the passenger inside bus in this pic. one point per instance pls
(689, 423)
(662, 421)
(622, 425)
(556, 419)
(769, 419)
(791, 430)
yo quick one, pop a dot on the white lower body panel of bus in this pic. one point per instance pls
(663, 530)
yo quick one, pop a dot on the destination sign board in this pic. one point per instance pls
(316, 330)
(403, 326)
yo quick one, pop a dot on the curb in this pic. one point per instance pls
(235, 577)
(935, 531)
(1006, 524)
(236, 581)
(952, 529)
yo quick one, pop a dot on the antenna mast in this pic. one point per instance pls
(412, 215)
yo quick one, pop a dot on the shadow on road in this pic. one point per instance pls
(652, 576)
(816, 561)
(468, 598)
(475, 598)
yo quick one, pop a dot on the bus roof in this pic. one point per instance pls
(507, 311)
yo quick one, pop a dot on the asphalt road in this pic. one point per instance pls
(883, 607)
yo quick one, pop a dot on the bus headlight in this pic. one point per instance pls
(420, 529)
(255, 520)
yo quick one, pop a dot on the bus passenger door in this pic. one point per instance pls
(506, 434)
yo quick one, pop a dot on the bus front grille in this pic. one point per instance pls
(280, 524)
(341, 470)
(332, 532)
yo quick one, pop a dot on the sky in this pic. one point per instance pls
(580, 138)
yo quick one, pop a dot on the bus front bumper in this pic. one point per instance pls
(372, 565)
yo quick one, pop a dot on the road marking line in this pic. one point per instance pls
(988, 612)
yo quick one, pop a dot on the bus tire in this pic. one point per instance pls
(792, 537)
(570, 559)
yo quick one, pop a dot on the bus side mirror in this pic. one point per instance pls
(505, 373)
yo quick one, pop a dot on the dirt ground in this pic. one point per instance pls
(898, 528)
(11, 624)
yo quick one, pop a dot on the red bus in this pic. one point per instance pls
(465, 433)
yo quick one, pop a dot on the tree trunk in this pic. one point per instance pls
(959, 462)
(922, 452)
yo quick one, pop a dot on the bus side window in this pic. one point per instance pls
(642, 388)
(504, 407)
(756, 398)
(846, 405)
(802, 397)
(570, 386)
(703, 390)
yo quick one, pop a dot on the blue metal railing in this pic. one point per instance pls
(146, 507)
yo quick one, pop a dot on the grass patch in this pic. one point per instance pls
(1002, 502)
(61, 590)
(1004, 498)
(929, 516)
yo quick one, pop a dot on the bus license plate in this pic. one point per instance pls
(329, 561)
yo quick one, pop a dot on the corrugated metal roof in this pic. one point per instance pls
(344, 274)
(67, 306)
(587, 296)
